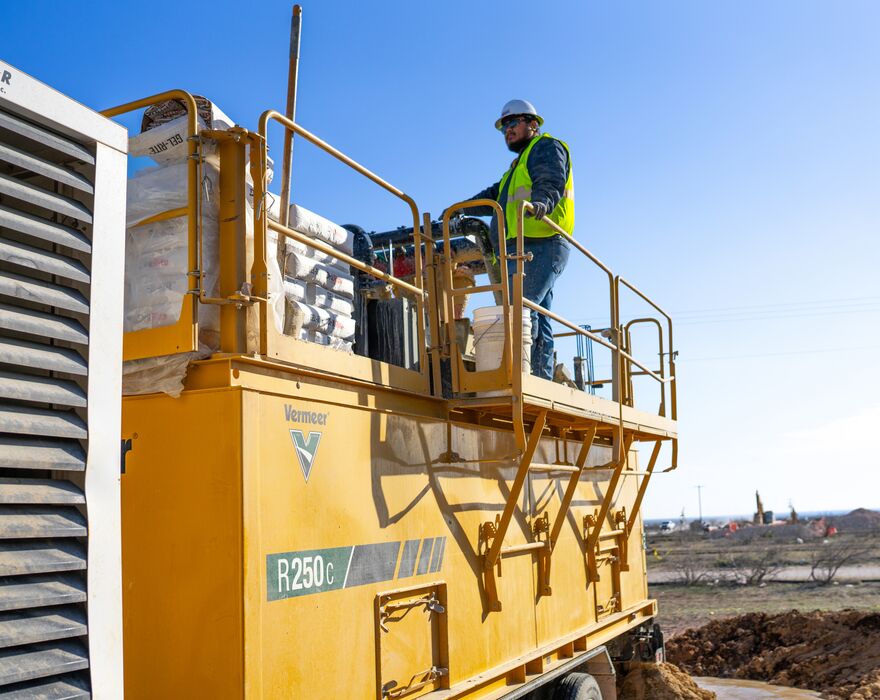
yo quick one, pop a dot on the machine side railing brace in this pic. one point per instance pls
(530, 422)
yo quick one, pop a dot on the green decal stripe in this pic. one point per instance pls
(293, 574)
(408, 560)
(437, 556)
(371, 563)
(425, 556)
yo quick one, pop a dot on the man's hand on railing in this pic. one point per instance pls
(456, 215)
(539, 210)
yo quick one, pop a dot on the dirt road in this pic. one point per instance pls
(789, 574)
(732, 689)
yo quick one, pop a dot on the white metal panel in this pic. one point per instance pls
(44, 105)
(45, 138)
(105, 424)
(38, 165)
(62, 233)
(46, 230)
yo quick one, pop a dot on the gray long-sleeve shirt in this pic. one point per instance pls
(548, 165)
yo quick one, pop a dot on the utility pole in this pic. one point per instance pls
(700, 501)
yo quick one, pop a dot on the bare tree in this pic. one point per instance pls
(829, 557)
(751, 568)
(690, 573)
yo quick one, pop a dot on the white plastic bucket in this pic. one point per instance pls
(489, 338)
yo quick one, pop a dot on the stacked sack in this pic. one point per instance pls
(156, 254)
(318, 288)
(315, 303)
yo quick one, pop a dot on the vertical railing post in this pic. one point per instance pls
(516, 332)
(436, 347)
(447, 305)
(233, 237)
(259, 269)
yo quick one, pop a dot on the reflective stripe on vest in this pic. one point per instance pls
(520, 189)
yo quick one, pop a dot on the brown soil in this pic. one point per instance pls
(650, 681)
(687, 607)
(835, 653)
(861, 519)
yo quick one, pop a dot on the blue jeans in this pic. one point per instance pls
(550, 256)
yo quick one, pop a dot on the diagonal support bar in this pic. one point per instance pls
(644, 485)
(622, 457)
(545, 557)
(572, 486)
(516, 489)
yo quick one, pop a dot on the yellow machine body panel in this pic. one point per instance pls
(182, 549)
(290, 537)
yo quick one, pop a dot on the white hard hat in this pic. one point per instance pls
(515, 107)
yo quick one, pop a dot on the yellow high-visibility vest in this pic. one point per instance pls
(521, 189)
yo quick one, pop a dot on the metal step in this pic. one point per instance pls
(19, 592)
(37, 165)
(29, 289)
(35, 421)
(29, 387)
(19, 522)
(43, 260)
(24, 557)
(42, 136)
(38, 197)
(522, 548)
(69, 688)
(16, 318)
(44, 230)
(41, 625)
(39, 453)
(566, 468)
(49, 357)
(17, 665)
(14, 490)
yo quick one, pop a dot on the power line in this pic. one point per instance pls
(688, 318)
(774, 317)
(815, 302)
(684, 359)
(777, 305)
(823, 308)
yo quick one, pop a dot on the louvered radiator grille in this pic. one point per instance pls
(46, 202)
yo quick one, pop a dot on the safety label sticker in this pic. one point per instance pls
(293, 574)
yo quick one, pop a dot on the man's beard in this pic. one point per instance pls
(518, 146)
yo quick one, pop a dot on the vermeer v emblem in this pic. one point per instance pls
(306, 448)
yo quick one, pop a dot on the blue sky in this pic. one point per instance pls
(725, 158)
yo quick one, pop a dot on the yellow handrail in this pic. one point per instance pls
(672, 394)
(183, 335)
(501, 285)
(263, 224)
(628, 335)
(615, 282)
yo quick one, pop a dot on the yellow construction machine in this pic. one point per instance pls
(302, 518)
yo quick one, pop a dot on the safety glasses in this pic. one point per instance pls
(510, 124)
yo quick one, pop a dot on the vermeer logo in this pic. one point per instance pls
(293, 415)
(306, 448)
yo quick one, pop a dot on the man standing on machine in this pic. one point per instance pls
(541, 174)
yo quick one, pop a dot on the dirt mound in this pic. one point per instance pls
(859, 520)
(660, 682)
(835, 653)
